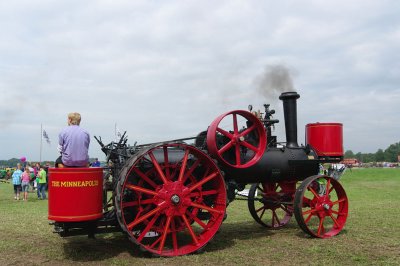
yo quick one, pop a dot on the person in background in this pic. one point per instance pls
(36, 170)
(73, 144)
(41, 180)
(46, 169)
(33, 177)
(16, 179)
(25, 179)
(96, 163)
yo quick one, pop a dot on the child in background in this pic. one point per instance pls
(16, 180)
(33, 177)
(25, 178)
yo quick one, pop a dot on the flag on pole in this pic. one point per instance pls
(46, 137)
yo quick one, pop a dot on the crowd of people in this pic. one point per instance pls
(27, 178)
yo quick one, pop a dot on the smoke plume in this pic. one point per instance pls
(275, 80)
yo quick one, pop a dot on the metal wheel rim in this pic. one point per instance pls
(174, 208)
(271, 212)
(236, 139)
(321, 206)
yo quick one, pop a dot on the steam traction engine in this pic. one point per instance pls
(170, 198)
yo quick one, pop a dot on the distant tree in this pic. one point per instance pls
(369, 157)
(348, 154)
(392, 152)
(379, 156)
(359, 156)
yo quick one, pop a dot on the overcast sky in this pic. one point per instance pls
(166, 69)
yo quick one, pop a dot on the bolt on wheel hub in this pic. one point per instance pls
(175, 199)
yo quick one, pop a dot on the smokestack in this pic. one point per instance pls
(290, 111)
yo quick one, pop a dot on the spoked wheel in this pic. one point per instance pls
(171, 199)
(321, 206)
(237, 139)
(271, 204)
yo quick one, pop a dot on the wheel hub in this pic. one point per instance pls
(175, 199)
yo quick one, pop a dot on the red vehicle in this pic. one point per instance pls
(170, 198)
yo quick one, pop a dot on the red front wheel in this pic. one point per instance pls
(171, 199)
(237, 139)
(321, 206)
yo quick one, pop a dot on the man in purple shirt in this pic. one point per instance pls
(73, 144)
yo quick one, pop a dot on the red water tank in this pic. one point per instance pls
(75, 194)
(325, 138)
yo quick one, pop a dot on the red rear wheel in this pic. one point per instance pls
(171, 199)
(321, 206)
(271, 204)
(237, 139)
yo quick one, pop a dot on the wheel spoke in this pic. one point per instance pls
(338, 213)
(306, 202)
(205, 207)
(263, 211)
(203, 181)
(247, 131)
(148, 227)
(334, 220)
(225, 148)
(136, 203)
(328, 184)
(183, 167)
(203, 193)
(196, 219)
(235, 124)
(158, 168)
(155, 242)
(309, 211)
(225, 133)
(145, 177)
(144, 217)
(237, 153)
(286, 209)
(321, 225)
(313, 191)
(191, 169)
(339, 201)
(174, 238)
(276, 219)
(164, 235)
(190, 229)
(308, 218)
(166, 162)
(248, 145)
(141, 189)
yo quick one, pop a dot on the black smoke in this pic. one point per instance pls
(274, 80)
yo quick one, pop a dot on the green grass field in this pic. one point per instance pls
(371, 235)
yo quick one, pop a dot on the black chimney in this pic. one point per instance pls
(290, 112)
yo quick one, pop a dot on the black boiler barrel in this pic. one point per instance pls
(277, 164)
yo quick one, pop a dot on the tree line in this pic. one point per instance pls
(13, 162)
(388, 155)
